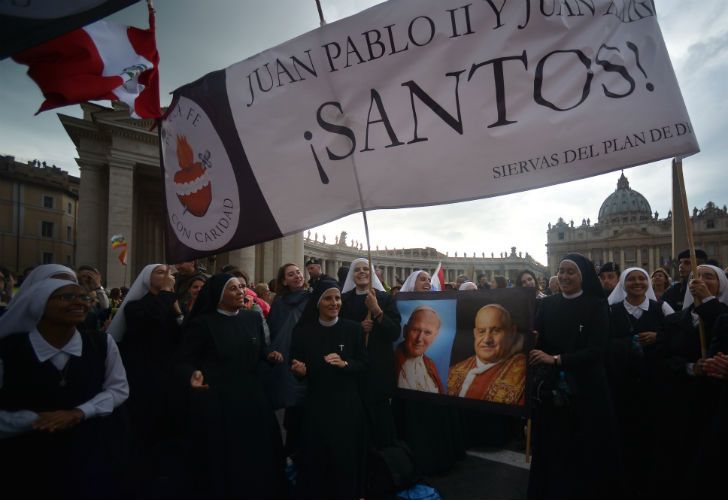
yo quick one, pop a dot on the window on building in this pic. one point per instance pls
(46, 229)
(710, 224)
(68, 261)
(47, 257)
(630, 255)
(69, 208)
(69, 233)
(561, 236)
(47, 202)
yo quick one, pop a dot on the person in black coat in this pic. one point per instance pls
(235, 441)
(377, 313)
(575, 453)
(636, 351)
(283, 388)
(711, 459)
(328, 351)
(313, 268)
(147, 329)
(693, 395)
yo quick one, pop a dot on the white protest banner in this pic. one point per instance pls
(433, 101)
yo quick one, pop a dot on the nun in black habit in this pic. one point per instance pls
(376, 311)
(62, 427)
(328, 351)
(636, 353)
(146, 327)
(235, 441)
(575, 450)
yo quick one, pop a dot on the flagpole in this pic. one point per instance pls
(366, 223)
(320, 12)
(528, 441)
(677, 166)
(358, 189)
(358, 185)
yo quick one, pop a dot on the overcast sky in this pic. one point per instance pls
(195, 37)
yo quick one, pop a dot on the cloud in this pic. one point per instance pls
(194, 39)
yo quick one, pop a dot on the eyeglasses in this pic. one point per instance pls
(70, 297)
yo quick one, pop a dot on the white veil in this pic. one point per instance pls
(349, 283)
(138, 289)
(28, 309)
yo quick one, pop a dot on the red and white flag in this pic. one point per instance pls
(438, 278)
(101, 61)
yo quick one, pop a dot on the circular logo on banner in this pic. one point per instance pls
(200, 186)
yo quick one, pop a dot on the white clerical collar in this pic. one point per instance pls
(572, 295)
(44, 351)
(362, 292)
(481, 365)
(332, 322)
(631, 309)
(479, 368)
(228, 313)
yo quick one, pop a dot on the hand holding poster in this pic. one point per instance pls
(470, 99)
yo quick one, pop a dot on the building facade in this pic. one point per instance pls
(397, 264)
(628, 233)
(38, 209)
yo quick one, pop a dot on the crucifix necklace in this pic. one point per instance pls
(64, 372)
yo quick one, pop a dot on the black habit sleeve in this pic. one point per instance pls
(194, 341)
(358, 361)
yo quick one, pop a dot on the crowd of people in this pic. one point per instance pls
(194, 385)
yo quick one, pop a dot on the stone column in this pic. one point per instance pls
(119, 221)
(92, 209)
(244, 259)
(651, 253)
(267, 267)
(291, 250)
(621, 258)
